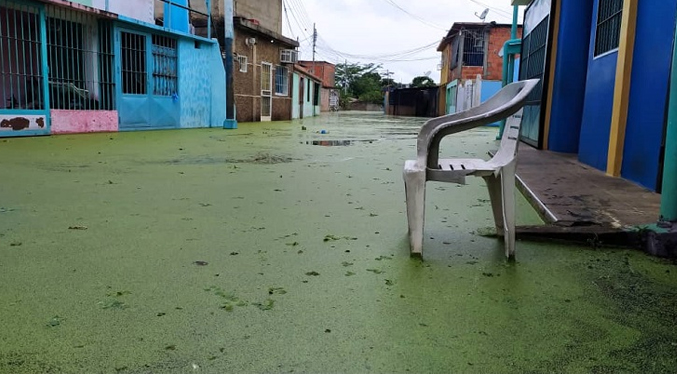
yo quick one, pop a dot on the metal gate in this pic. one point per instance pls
(266, 91)
(24, 108)
(148, 72)
(533, 65)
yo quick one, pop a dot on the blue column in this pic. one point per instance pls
(230, 122)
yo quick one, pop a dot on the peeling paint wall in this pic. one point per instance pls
(194, 83)
(83, 121)
(21, 122)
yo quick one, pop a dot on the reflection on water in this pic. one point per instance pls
(330, 143)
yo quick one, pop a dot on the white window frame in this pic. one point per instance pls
(285, 90)
(242, 60)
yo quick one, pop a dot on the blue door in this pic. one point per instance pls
(148, 76)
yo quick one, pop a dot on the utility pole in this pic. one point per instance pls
(314, 45)
(229, 35)
(345, 78)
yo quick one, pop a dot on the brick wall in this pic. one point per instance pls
(497, 37)
(325, 70)
(247, 86)
(494, 65)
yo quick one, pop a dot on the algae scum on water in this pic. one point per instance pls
(261, 250)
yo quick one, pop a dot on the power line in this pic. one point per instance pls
(423, 21)
(500, 11)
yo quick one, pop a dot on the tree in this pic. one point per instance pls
(423, 81)
(360, 81)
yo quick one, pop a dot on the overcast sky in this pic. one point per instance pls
(384, 31)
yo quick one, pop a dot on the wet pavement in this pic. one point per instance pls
(276, 249)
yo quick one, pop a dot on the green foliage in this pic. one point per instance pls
(360, 81)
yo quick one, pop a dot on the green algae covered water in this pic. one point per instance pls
(277, 249)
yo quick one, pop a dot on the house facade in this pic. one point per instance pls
(262, 58)
(471, 66)
(261, 80)
(326, 71)
(605, 66)
(306, 93)
(70, 67)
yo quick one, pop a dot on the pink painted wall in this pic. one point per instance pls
(80, 121)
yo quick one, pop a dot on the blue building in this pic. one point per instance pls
(99, 65)
(605, 68)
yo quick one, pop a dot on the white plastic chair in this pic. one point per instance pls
(498, 172)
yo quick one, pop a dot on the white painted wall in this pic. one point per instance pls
(142, 10)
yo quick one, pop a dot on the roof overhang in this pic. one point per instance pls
(243, 23)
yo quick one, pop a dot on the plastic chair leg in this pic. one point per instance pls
(414, 184)
(508, 194)
(496, 197)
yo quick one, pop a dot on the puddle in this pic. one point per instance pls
(337, 143)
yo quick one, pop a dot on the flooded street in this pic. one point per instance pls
(281, 247)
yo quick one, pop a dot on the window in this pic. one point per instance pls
(80, 60)
(165, 68)
(242, 60)
(455, 53)
(21, 79)
(281, 81)
(473, 48)
(608, 26)
(308, 91)
(134, 73)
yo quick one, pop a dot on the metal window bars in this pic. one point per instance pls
(21, 78)
(608, 31)
(165, 66)
(473, 47)
(133, 73)
(79, 60)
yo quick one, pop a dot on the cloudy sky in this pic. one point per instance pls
(401, 35)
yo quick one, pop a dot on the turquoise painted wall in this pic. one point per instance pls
(202, 84)
(218, 80)
(295, 108)
(308, 106)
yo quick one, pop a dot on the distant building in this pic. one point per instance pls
(471, 50)
(306, 95)
(263, 61)
(326, 71)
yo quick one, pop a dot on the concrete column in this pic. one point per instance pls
(229, 30)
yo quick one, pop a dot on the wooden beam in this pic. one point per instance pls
(619, 115)
(554, 17)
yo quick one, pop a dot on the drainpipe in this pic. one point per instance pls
(669, 194)
(510, 49)
(230, 122)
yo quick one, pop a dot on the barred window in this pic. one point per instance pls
(242, 60)
(165, 66)
(473, 48)
(134, 74)
(281, 81)
(608, 32)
